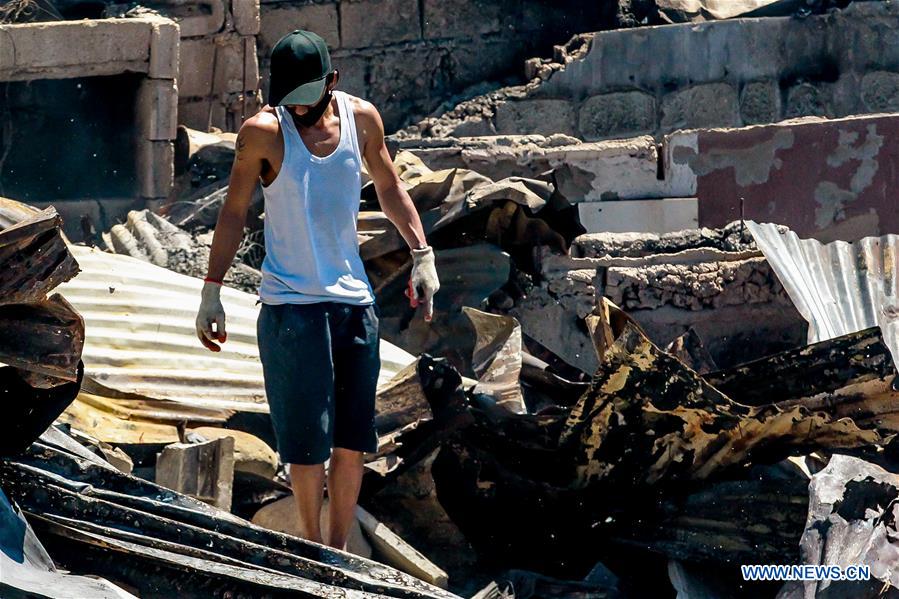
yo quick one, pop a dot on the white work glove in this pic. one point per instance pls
(211, 311)
(423, 283)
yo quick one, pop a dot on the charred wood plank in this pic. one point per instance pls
(401, 401)
(165, 569)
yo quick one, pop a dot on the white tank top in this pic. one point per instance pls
(311, 208)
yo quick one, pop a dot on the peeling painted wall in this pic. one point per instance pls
(832, 179)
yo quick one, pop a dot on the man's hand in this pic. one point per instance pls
(423, 282)
(211, 311)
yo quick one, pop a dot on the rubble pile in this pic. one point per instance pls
(556, 419)
(589, 414)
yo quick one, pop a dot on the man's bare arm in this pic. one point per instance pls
(245, 172)
(395, 202)
(398, 206)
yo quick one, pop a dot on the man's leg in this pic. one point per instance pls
(344, 483)
(307, 483)
(357, 362)
(295, 350)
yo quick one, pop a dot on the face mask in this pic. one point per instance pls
(313, 114)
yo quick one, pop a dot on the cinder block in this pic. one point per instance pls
(538, 116)
(620, 169)
(640, 216)
(277, 20)
(710, 105)
(246, 16)
(155, 168)
(880, 91)
(157, 109)
(353, 69)
(202, 470)
(77, 48)
(194, 113)
(198, 17)
(195, 73)
(378, 22)
(806, 99)
(398, 79)
(466, 61)
(760, 102)
(467, 20)
(236, 67)
(165, 45)
(617, 114)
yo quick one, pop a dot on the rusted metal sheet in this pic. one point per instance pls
(33, 253)
(45, 337)
(840, 287)
(141, 339)
(850, 376)
(831, 179)
(505, 483)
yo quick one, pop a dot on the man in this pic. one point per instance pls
(318, 325)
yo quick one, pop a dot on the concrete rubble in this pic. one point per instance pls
(665, 341)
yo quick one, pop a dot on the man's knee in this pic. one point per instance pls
(345, 453)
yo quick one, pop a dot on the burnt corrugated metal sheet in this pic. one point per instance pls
(140, 335)
(33, 253)
(840, 287)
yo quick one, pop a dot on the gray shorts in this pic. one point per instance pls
(320, 362)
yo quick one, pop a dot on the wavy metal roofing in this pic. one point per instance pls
(140, 335)
(840, 287)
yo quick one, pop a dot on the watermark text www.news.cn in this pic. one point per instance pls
(804, 572)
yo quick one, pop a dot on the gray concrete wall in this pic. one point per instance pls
(654, 80)
(218, 73)
(409, 56)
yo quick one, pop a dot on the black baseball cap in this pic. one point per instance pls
(299, 66)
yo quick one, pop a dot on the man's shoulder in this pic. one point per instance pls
(361, 107)
(261, 128)
(264, 121)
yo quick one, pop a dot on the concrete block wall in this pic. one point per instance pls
(824, 178)
(146, 46)
(654, 80)
(409, 56)
(218, 74)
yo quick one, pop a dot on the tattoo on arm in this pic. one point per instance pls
(241, 144)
